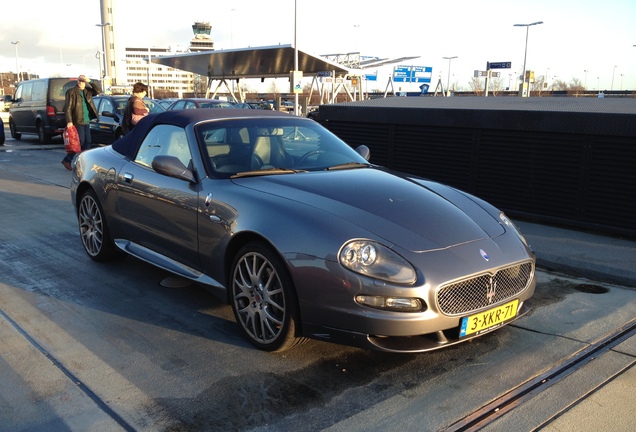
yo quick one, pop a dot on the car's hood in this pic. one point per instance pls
(415, 214)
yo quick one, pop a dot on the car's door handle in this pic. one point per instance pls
(128, 178)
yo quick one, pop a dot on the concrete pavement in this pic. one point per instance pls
(610, 404)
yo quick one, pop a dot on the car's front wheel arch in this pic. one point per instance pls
(263, 297)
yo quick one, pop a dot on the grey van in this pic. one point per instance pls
(38, 108)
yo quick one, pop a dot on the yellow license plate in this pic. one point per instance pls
(487, 320)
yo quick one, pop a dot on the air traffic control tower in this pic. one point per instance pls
(201, 40)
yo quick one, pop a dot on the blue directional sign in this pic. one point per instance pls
(371, 77)
(421, 74)
(500, 65)
(412, 74)
(402, 74)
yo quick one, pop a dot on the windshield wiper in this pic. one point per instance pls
(348, 165)
(268, 171)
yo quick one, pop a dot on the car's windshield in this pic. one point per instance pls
(152, 105)
(215, 105)
(241, 145)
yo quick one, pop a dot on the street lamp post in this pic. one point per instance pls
(449, 71)
(523, 90)
(103, 47)
(17, 63)
(613, 73)
(98, 56)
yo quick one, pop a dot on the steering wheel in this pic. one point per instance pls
(307, 155)
(256, 162)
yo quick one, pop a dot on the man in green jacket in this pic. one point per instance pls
(79, 109)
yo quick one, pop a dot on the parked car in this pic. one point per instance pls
(167, 102)
(253, 105)
(38, 108)
(6, 102)
(193, 103)
(107, 129)
(314, 114)
(300, 234)
(2, 129)
(243, 105)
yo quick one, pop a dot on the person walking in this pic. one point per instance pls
(79, 109)
(136, 109)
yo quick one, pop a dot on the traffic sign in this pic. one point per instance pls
(500, 65)
(487, 73)
(421, 74)
(412, 74)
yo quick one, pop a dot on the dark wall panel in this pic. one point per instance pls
(568, 162)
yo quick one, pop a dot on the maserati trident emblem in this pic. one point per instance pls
(491, 290)
(484, 255)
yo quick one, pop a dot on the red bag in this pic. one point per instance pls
(71, 140)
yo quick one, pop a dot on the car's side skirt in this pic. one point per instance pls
(166, 263)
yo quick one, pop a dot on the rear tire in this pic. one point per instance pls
(94, 230)
(43, 138)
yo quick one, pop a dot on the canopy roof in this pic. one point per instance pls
(261, 62)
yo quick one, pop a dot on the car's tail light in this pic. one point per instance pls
(50, 111)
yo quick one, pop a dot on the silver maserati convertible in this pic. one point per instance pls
(301, 234)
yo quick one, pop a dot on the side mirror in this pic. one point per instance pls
(172, 167)
(364, 152)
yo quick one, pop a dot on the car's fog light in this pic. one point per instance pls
(401, 304)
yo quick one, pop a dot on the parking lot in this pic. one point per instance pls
(103, 347)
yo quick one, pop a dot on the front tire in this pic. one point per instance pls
(14, 131)
(263, 299)
(94, 230)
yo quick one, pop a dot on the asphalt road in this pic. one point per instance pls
(104, 347)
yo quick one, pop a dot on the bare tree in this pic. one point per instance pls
(497, 85)
(539, 85)
(273, 88)
(559, 85)
(576, 85)
(476, 85)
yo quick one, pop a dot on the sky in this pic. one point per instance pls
(62, 38)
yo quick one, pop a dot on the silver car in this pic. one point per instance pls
(300, 234)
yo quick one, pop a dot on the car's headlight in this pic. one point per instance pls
(377, 261)
(511, 226)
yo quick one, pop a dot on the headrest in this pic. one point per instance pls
(269, 131)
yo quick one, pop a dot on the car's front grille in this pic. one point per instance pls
(467, 295)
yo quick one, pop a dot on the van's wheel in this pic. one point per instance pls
(43, 138)
(14, 133)
(263, 299)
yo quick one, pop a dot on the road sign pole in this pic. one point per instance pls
(487, 79)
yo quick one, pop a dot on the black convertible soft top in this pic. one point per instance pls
(129, 144)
